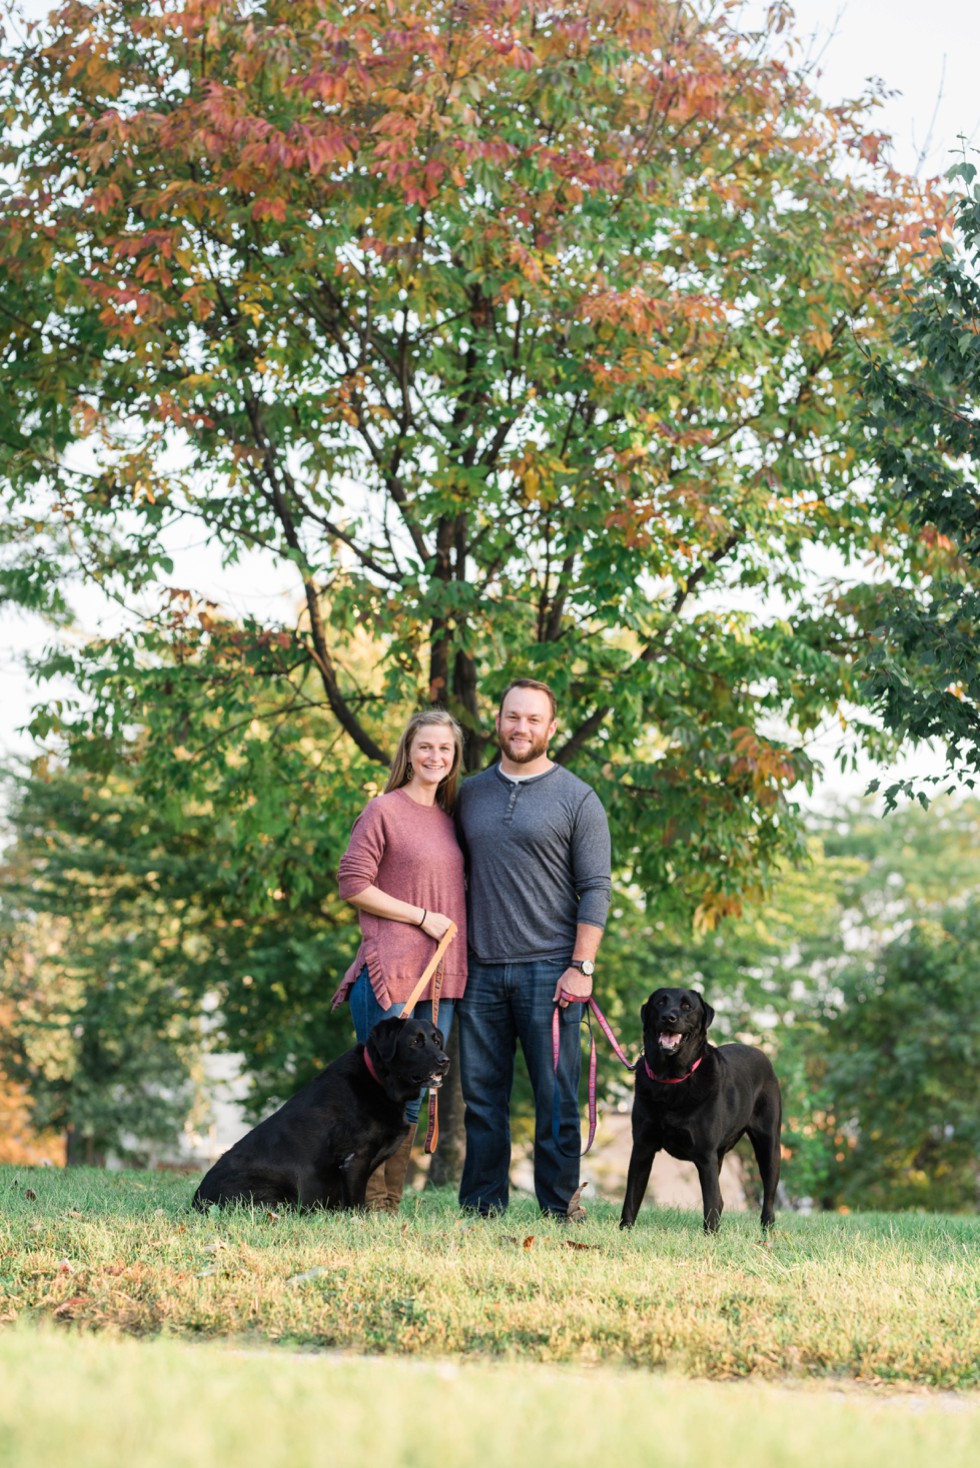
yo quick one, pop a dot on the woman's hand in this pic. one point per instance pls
(436, 925)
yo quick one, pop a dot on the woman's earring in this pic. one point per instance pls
(408, 770)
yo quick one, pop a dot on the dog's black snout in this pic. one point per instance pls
(670, 1017)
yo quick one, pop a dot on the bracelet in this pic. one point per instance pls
(425, 914)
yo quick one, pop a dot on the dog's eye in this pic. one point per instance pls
(685, 1004)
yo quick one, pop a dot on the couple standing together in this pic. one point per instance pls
(518, 857)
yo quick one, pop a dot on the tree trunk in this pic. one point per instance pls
(82, 1151)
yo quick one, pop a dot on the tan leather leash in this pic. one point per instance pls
(434, 966)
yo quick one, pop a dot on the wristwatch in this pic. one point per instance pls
(584, 966)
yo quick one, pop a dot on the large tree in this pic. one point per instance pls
(921, 402)
(525, 333)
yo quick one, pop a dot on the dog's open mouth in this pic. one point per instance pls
(668, 1041)
(435, 1081)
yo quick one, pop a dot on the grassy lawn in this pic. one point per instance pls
(878, 1299)
(93, 1401)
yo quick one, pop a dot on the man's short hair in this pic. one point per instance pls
(531, 683)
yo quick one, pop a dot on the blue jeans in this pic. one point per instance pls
(504, 1003)
(365, 1011)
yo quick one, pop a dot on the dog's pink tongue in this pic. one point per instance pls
(669, 1041)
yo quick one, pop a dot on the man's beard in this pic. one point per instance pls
(525, 754)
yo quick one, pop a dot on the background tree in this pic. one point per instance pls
(125, 953)
(920, 404)
(525, 332)
(901, 1065)
(20, 1141)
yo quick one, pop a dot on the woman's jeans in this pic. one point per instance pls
(504, 1003)
(366, 1012)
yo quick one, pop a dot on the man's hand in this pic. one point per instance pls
(572, 988)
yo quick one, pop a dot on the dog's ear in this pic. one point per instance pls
(384, 1038)
(709, 1013)
(643, 1013)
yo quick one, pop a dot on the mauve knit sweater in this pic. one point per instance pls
(408, 851)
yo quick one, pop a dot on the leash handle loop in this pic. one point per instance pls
(429, 970)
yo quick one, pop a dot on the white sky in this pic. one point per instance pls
(927, 54)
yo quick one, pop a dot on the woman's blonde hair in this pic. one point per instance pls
(401, 765)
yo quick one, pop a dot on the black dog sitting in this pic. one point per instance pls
(319, 1149)
(695, 1100)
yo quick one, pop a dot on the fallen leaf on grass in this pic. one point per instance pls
(114, 1269)
(74, 1213)
(272, 1217)
(30, 1195)
(528, 1243)
(65, 1266)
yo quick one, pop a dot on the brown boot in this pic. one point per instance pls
(387, 1183)
(396, 1171)
(376, 1193)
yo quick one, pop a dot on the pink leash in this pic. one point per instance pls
(590, 1007)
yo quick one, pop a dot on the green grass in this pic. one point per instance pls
(877, 1299)
(91, 1402)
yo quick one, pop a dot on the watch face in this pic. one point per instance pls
(587, 967)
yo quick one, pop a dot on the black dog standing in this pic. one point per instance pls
(695, 1100)
(319, 1149)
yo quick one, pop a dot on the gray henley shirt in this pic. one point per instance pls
(538, 862)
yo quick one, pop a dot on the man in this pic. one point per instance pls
(536, 842)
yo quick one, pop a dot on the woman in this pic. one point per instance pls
(403, 871)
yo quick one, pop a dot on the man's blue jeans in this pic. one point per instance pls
(366, 1012)
(504, 1003)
